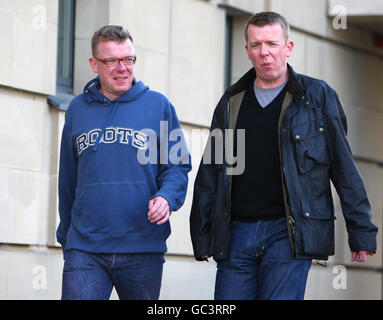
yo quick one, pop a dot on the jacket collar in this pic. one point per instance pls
(294, 86)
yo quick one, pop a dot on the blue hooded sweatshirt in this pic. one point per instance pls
(104, 191)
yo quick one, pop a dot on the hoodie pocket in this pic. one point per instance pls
(114, 208)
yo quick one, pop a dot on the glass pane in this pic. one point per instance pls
(65, 43)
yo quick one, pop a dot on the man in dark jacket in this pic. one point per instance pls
(265, 217)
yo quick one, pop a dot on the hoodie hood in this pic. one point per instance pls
(93, 95)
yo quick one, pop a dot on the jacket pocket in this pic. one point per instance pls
(316, 231)
(310, 145)
(113, 207)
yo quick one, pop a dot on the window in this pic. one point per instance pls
(65, 55)
(65, 46)
(228, 53)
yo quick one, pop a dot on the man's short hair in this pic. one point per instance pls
(109, 33)
(268, 17)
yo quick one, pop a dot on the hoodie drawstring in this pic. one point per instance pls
(111, 115)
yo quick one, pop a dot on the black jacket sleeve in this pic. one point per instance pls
(205, 191)
(347, 180)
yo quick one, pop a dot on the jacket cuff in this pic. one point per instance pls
(202, 245)
(363, 242)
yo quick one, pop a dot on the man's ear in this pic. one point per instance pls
(289, 48)
(93, 64)
(247, 51)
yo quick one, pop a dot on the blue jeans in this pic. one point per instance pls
(261, 264)
(89, 276)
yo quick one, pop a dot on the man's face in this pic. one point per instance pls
(117, 79)
(268, 51)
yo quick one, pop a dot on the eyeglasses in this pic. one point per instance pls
(114, 62)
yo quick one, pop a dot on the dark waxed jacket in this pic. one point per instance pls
(313, 150)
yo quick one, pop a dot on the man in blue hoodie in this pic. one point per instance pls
(114, 204)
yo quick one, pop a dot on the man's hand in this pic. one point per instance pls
(360, 256)
(159, 210)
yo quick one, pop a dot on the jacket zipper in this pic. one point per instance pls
(290, 219)
(229, 177)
